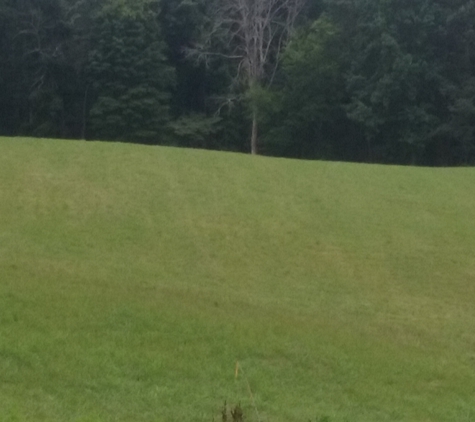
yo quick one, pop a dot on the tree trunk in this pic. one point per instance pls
(84, 114)
(254, 134)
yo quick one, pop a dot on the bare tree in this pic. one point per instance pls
(251, 33)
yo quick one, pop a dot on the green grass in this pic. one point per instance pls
(133, 278)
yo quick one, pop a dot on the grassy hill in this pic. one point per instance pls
(133, 278)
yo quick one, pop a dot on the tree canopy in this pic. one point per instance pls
(389, 81)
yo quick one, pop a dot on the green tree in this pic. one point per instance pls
(199, 87)
(33, 40)
(454, 140)
(130, 76)
(305, 115)
(250, 34)
(43, 50)
(393, 75)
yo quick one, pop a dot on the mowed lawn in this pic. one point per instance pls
(133, 278)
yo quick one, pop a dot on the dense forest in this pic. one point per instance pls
(388, 81)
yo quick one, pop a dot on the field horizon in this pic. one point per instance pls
(133, 278)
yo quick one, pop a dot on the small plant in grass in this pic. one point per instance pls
(232, 413)
(236, 414)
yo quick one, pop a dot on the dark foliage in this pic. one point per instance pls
(389, 81)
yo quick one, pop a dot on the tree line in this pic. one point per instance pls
(388, 81)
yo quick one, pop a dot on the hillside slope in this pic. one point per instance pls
(133, 278)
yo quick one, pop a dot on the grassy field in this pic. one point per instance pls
(133, 278)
